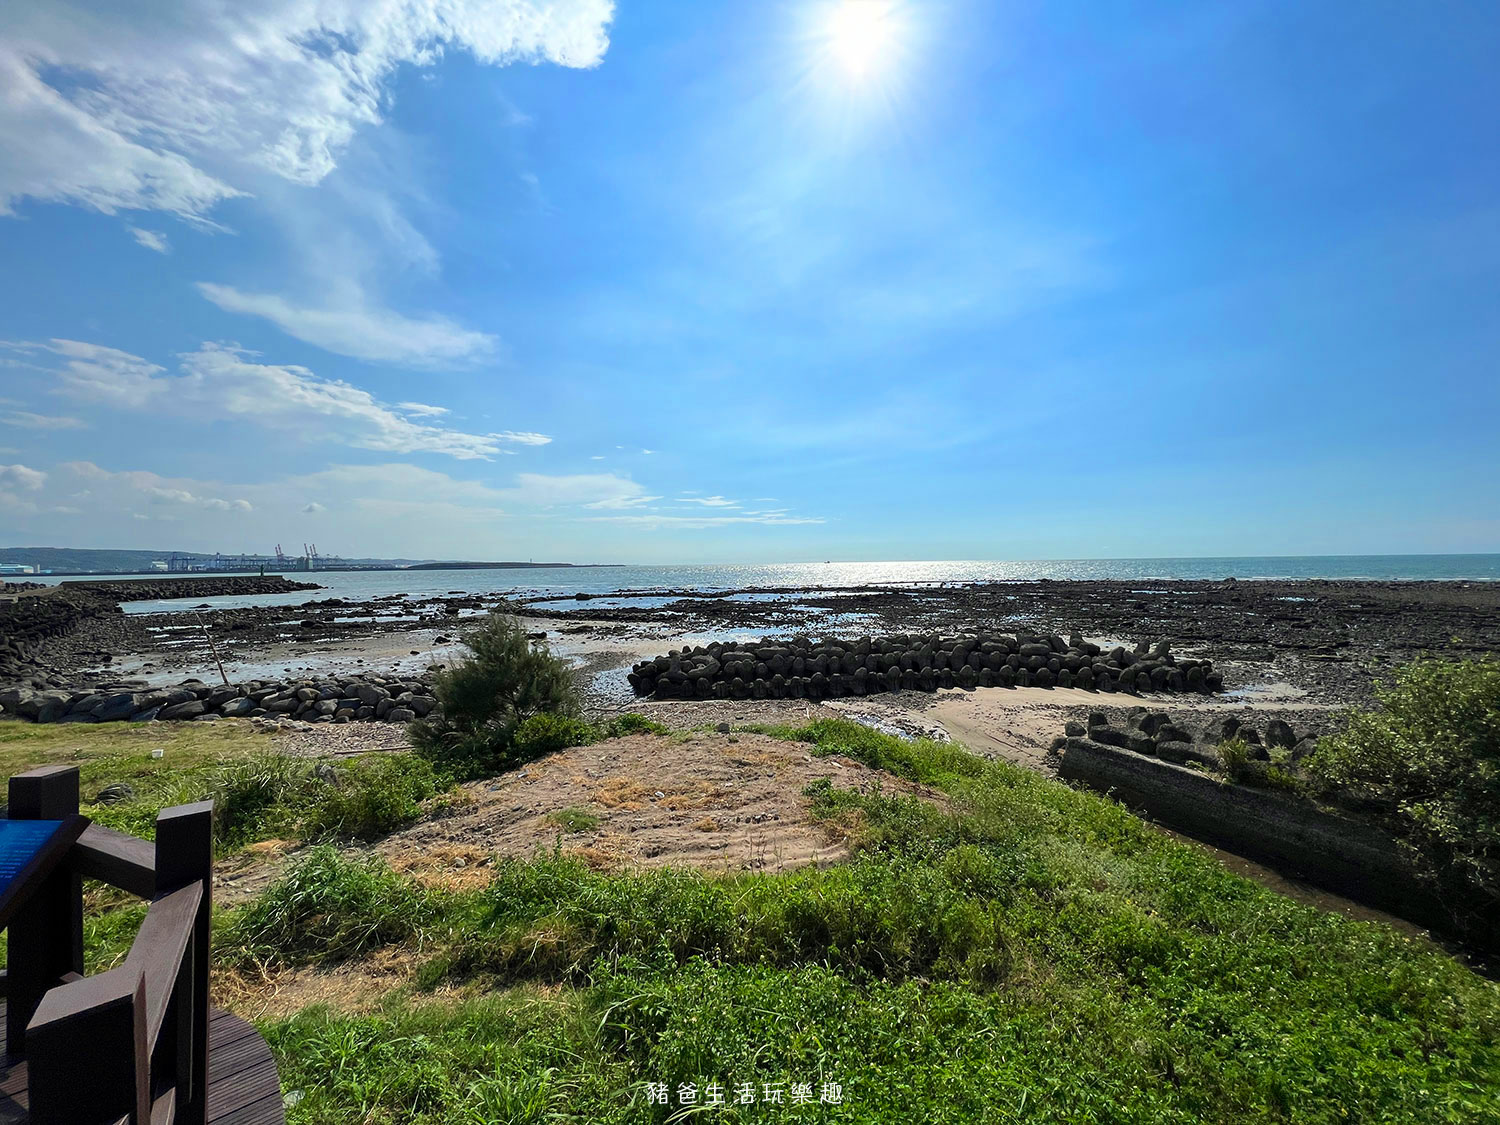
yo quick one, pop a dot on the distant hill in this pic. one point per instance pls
(78, 560)
(70, 559)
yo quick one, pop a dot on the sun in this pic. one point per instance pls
(860, 36)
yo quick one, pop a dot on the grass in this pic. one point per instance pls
(574, 820)
(1018, 952)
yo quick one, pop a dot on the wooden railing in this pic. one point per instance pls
(131, 1044)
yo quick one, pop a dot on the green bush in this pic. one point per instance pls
(372, 796)
(486, 696)
(631, 723)
(546, 734)
(1430, 752)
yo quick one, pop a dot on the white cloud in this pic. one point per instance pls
(20, 477)
(361, 330)
(653, 520)
(32, 421)
(593, 490)
(709, 501)
(150, 239)
(158, 493)
(161, 107)
(421, 408)
(220, 381)
(314, 508)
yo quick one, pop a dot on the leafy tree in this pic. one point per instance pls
(1431, 753)
(485, 697)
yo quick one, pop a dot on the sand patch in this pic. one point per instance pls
(708, 800)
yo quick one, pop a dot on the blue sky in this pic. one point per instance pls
(704, 281)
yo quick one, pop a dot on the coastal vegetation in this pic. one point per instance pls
(1008, 950)
(997, 947)
(1426, 761)
(487, 697)
(1027, 952)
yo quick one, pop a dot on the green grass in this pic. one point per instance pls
(1018, 951)
(1031, 953)
(574, 820)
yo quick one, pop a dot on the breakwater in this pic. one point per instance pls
(801, 668)
(33, 617)
(208, 586)
(340, 699)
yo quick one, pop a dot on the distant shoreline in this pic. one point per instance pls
(320, 570)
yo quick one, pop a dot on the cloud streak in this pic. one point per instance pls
(221, 381)
(360, 330)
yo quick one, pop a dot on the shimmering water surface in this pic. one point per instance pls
(567, 581)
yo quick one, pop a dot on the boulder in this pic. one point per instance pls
(117, 708)
(1279, 735)
(400, 715)
(188, 709)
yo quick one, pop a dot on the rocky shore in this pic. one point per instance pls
(1322, 641)
(44, 630)
(332, 700)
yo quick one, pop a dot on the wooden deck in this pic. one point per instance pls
(242, 1085)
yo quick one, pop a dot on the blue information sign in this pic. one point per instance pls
(20, 843)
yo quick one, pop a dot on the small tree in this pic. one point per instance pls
(1431, 752)
(485, 697)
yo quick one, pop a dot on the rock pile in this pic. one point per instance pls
(1159, 735)
(801, 668)
(28, 621)
(333, 700)
(207, 586)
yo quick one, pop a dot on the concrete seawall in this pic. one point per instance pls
(1347, 856)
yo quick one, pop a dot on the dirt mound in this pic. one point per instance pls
(716, 801)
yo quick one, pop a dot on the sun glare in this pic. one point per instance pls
(860, 35)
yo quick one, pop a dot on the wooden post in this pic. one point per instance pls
(88, 1059)
(46, 934)
(184, 855)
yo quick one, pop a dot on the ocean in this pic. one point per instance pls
(567, 581)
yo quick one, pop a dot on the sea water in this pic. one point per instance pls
(564, 582)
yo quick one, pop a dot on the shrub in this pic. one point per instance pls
(372, 796)
(546, 734)
(486, 696)
(631, 723)
(1431, 751)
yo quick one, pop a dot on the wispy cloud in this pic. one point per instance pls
(709, 501)
(28, 420)
(150, 239)
(361, 330)
(658, 520)
(221, 381)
